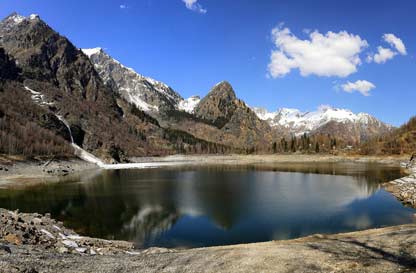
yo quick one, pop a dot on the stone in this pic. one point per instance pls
(13, 239)
(5, 248)
(81, 249)
(62, 250)
(36, 221)
(70, 243)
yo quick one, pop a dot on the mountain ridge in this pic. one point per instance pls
(294, 121)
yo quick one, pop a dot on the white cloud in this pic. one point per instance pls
(395, 42)
(383, 55)
(194, 6)
(361, 86)
(330, 54)
(123, 6)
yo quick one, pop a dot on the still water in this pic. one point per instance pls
(218, 205)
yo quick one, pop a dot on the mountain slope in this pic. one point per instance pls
(399, 141)
(26, 128)
(147, 94)
(341, 123)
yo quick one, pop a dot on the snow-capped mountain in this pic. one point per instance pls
(296, 122)
(146, 93)
(189, 104)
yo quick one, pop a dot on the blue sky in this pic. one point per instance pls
(192, 47)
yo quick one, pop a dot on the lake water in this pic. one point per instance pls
(218, 205)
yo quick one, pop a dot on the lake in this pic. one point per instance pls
(218, 205)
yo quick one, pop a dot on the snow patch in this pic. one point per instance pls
(17, 19)
(91, 51)
(33, 16)
(189, 104)
(38, 97)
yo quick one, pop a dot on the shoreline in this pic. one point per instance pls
(30, 242)
(23, 173)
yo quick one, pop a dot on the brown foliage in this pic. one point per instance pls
(20, 130)
(400, 141)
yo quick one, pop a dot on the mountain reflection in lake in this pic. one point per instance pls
(218, 205)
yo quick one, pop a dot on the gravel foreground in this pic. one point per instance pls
(34, 243)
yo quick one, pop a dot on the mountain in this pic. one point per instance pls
(222, 109)
(162, 102)
(341, 123)
(57, 87)
(146, 93)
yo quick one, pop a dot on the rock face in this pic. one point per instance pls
(147, 94)
(341, 123)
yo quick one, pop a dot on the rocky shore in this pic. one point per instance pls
(36, 243)
(33, 229)
(404, 189)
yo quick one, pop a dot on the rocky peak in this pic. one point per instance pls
(219, 105)
(46, 56)
(16, 19)
(224, 110)
(223, 90)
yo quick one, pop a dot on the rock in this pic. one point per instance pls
(81, 249)
(62, 250)
(13, 239)
(47, 233)
(70, 243)
(36, 221)
(5, 248)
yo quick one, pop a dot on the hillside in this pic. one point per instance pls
(400, 141)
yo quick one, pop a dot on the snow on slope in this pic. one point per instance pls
(189, 104)
(301, 122)
(146, 93)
